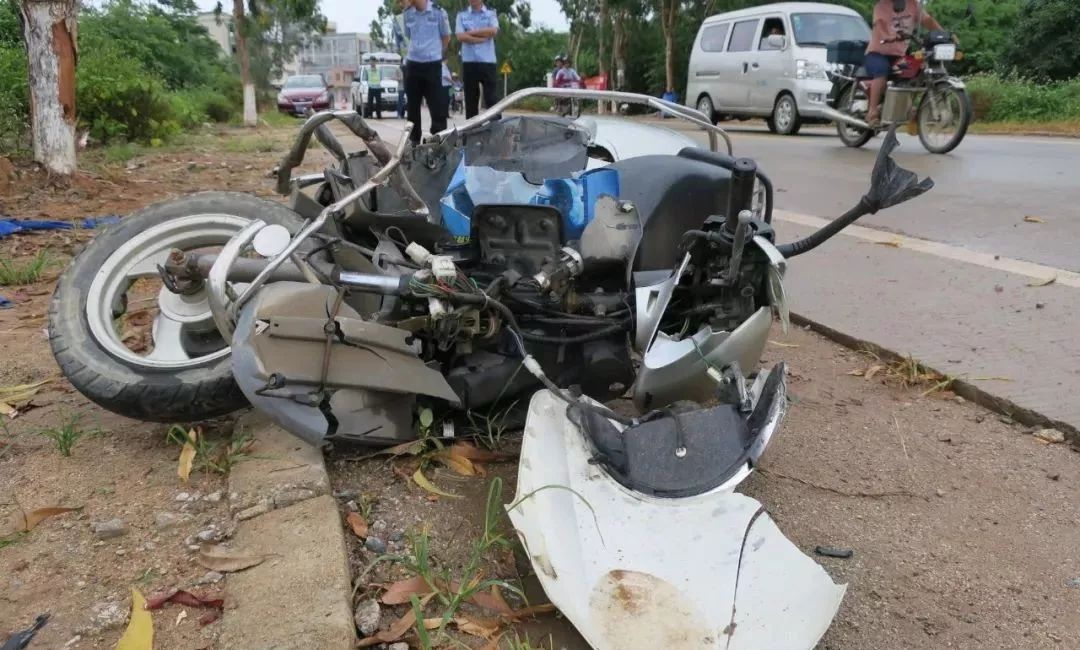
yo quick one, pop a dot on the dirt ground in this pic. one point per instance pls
(964, 527)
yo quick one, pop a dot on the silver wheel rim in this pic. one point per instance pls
(704, 105)
(940, 117)
(785, 113)
(139, 258)
(854, 107)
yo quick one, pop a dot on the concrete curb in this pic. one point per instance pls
(963, 388)
(301, 596)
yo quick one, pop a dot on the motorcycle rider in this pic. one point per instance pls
(894, 24)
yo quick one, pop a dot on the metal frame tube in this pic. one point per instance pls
(668, 108)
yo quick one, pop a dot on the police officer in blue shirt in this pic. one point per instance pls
(476, 29)
(428, 31)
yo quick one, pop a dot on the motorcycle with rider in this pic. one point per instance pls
(896, 79)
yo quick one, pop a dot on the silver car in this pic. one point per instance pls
(769, 62)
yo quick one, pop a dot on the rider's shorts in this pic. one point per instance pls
(878, 65)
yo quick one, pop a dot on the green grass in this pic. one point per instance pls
(490, 427)
(26, 272)
(1011, 100)
(249, 144)
(214, 456)
(10, 539)
(273, 118)
(67, 434)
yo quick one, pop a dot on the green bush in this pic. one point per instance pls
(117, 99)
(14, 98)
(999, 99)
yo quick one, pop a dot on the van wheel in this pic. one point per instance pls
(785, 118)
(705, 105)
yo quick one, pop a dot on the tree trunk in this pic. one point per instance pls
(50, 31)
(667, 18)
(251, 117)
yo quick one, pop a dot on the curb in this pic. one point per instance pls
(300, 597)
(965, 389)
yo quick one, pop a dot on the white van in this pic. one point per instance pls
(769, 61)
(389, 66)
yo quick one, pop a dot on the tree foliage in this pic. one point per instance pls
(1044, 43)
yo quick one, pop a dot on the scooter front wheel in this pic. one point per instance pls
(944, 117)
(126, 341)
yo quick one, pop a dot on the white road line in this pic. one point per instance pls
(1038, 272)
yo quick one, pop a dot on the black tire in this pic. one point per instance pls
(182, 395)
(705, 105)
(785, 102)
(961, 130)
(851, 136)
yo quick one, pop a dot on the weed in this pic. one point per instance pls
(10, 539)
(517, 643)
(365, 503)
(214, 456)
(148, 577)
(421, 628)
(67, 434)
(490, 427)
(122, 152)
(27, 272)
(906, 372)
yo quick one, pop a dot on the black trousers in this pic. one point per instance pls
(423, 82)
(474, 75)
(374, 100)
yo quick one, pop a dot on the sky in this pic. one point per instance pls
(356, 15)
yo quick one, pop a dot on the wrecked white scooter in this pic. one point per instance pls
(604, 257)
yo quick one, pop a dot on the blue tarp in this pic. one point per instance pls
(10, 226)
(5, 303)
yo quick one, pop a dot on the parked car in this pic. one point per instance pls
(769, 61)
(389, 67)
(303, 91)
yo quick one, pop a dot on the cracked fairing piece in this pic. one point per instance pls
(633, 572)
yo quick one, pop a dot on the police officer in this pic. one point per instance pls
(476, 29)
(428, 31)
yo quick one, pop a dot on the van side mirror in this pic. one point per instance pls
(776, 41)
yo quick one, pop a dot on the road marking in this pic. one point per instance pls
(1031, 270)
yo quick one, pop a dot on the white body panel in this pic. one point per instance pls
(633, 572)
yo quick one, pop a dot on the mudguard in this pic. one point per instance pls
(633, 572)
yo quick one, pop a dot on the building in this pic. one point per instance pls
(331, 54)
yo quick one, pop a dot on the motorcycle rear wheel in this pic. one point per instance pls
(187, 375)
(943, 118)
(849, 135)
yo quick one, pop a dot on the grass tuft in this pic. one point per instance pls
(27, 272)
(214, 456)
(67, 434)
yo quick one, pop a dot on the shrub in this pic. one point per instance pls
(14, 99)
(118, 99)
(1000, 99)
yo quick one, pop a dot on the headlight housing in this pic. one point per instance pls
(809, 70)
(324, 97)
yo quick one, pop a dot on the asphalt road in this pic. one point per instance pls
(984, 189)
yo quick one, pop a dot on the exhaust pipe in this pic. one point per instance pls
(836, 116)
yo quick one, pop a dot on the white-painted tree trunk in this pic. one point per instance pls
(251, 116)
(50, 32)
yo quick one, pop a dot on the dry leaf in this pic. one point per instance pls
(397, 629)
(357, 523)
(895, 243)
(432, 623)
(784, 345)
(493, 601)
(872, 370)
(187, 456)
(12, 396)
(400, 592)
(139, 634)
(224, 561)
(477, 455)
(1031, 219)
(421, 480)
(179, 617)
(26, 522)
(527, 612)
(457, 464)
(181, 597)
(1043, 283)
(485, 628)
(856, 373)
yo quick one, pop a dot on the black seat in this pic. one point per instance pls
(672, 194)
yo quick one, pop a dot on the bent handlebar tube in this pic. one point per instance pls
(668, 108)
(224, 311)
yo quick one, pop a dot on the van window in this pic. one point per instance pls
(772, 26)
(713, 37)
(742, 36)
(822, 29)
